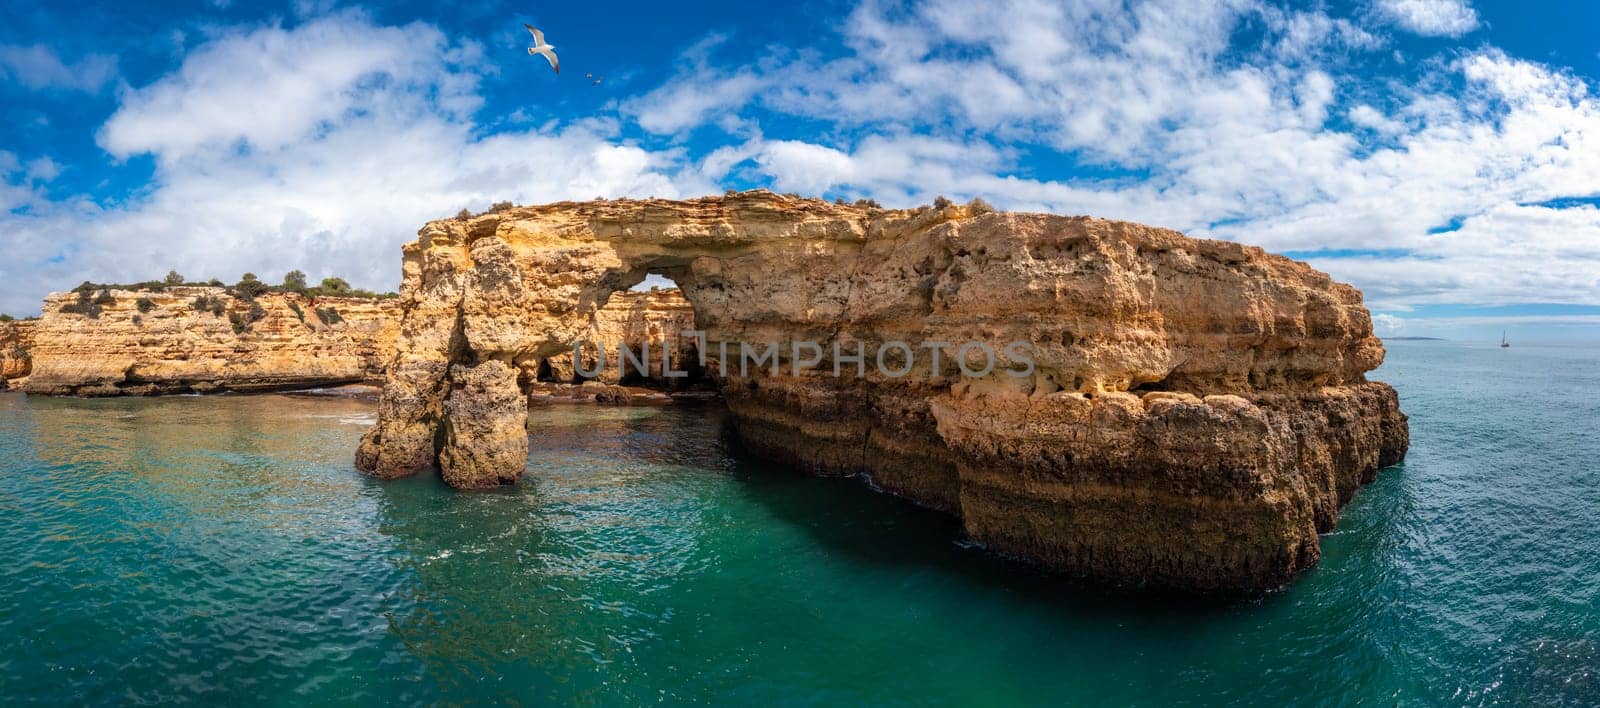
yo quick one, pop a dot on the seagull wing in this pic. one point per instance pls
(549, 55)
(538, 37)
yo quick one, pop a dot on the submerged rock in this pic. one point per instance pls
(1150, 408)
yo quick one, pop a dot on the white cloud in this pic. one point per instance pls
(1432, 18)
(272, 88)
(38, 67)
(42, 169)
(1387, 324)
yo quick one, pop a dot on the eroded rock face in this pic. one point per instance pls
(147, 343)
(1195, 413)
(16, 359)
(645, 323)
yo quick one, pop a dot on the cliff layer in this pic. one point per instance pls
(200, 339)
(16, 341)
(1177, 411)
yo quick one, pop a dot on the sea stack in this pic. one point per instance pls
(1191, 413)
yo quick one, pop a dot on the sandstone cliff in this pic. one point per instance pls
(1197, 411)
(644, 322)
(200, 339)
(16, 361)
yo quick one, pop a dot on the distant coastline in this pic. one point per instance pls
(1413, 339)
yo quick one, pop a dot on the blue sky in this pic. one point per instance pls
(1442, 155)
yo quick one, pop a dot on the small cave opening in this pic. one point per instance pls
(545, 372)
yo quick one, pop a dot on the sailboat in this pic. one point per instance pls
(1503, 342)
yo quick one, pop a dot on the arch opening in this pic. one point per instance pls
(640, 334)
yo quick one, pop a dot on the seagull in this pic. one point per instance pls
(595, 79)
(540, 48)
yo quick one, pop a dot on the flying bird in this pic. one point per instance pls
(593, 78)
(540, 48)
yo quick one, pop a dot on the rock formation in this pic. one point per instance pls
(644, 322)
(1194, 414)
(200, 339)
(16, 361)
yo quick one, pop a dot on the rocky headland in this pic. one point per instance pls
(202, 339)
(1181, 412)
(116, 341)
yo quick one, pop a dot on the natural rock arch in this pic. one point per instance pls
(1197, 410)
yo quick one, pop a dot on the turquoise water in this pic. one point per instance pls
(222, 549)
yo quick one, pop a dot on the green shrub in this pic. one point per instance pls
(172, 278)
(209, 303)
(978, 206)
(498, 207)
(868, 204)
(145, 304)
(7, 318)
(464, 214)
(243, 323)
(941, 202)
(85, 305)
(294, 280)
(295, 306)
(214, 283)
(329, 316)
(249, 286)
(334, 286)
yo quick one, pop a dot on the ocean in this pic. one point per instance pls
(224, 549)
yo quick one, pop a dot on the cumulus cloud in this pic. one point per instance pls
(1432, 18)
(39, 67)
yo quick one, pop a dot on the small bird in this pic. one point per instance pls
(540, 48)
(594, 79)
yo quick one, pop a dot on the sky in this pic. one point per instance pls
(1441, 155)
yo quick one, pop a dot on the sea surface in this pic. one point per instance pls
(223, 549)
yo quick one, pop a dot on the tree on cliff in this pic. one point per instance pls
(334, 286)
(172, 278)
(250, 286)
(294, 280)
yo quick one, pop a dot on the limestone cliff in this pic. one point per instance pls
(16, 361)
(646, 323)
(201, 339)
(1195, 413)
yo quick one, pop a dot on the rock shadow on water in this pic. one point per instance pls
(852, 517)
